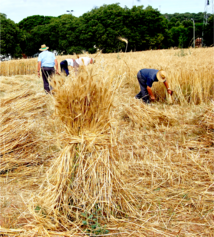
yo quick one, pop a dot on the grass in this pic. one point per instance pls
(92, 160)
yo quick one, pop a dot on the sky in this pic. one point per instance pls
(17, 10)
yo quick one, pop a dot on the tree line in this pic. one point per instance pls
(144, 28)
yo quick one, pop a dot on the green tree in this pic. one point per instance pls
(179, 36)
(101, 27)
(60, 34)
(35, 39)
(143, 28)
(156, 28)
(68, 36)
(208, 32)
(3, 15)
(198, 17)
(11, 37)
(30, 22)
(33, 29)
(180, 28)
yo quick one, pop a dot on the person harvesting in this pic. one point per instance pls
(75, 63)
(146, 77)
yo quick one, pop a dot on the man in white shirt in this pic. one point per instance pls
(75, 63)
(64, 65)
(46, 62)
(82, 61)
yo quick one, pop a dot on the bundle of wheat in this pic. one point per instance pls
(86, 176)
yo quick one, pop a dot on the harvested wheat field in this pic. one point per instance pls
(91, 160)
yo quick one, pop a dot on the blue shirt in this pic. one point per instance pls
(47, 59)
(149, 75)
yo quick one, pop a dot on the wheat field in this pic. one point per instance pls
(91, 160)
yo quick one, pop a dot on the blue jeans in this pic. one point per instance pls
(143, 94)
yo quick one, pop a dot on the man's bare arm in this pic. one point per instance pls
(39, 67)
(56, 64)
(167, 87)
(149, 89)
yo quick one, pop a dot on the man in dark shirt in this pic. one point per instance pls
(146, 77)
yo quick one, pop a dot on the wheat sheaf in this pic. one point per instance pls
(124, 40)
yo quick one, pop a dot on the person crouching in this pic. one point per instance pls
(64, 65)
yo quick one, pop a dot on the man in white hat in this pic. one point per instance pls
(46, 62)
(146, 77)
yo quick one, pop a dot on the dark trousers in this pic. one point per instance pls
(47, 72)
(64, 66)
(143, 94)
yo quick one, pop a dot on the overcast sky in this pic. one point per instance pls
(17, 10)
